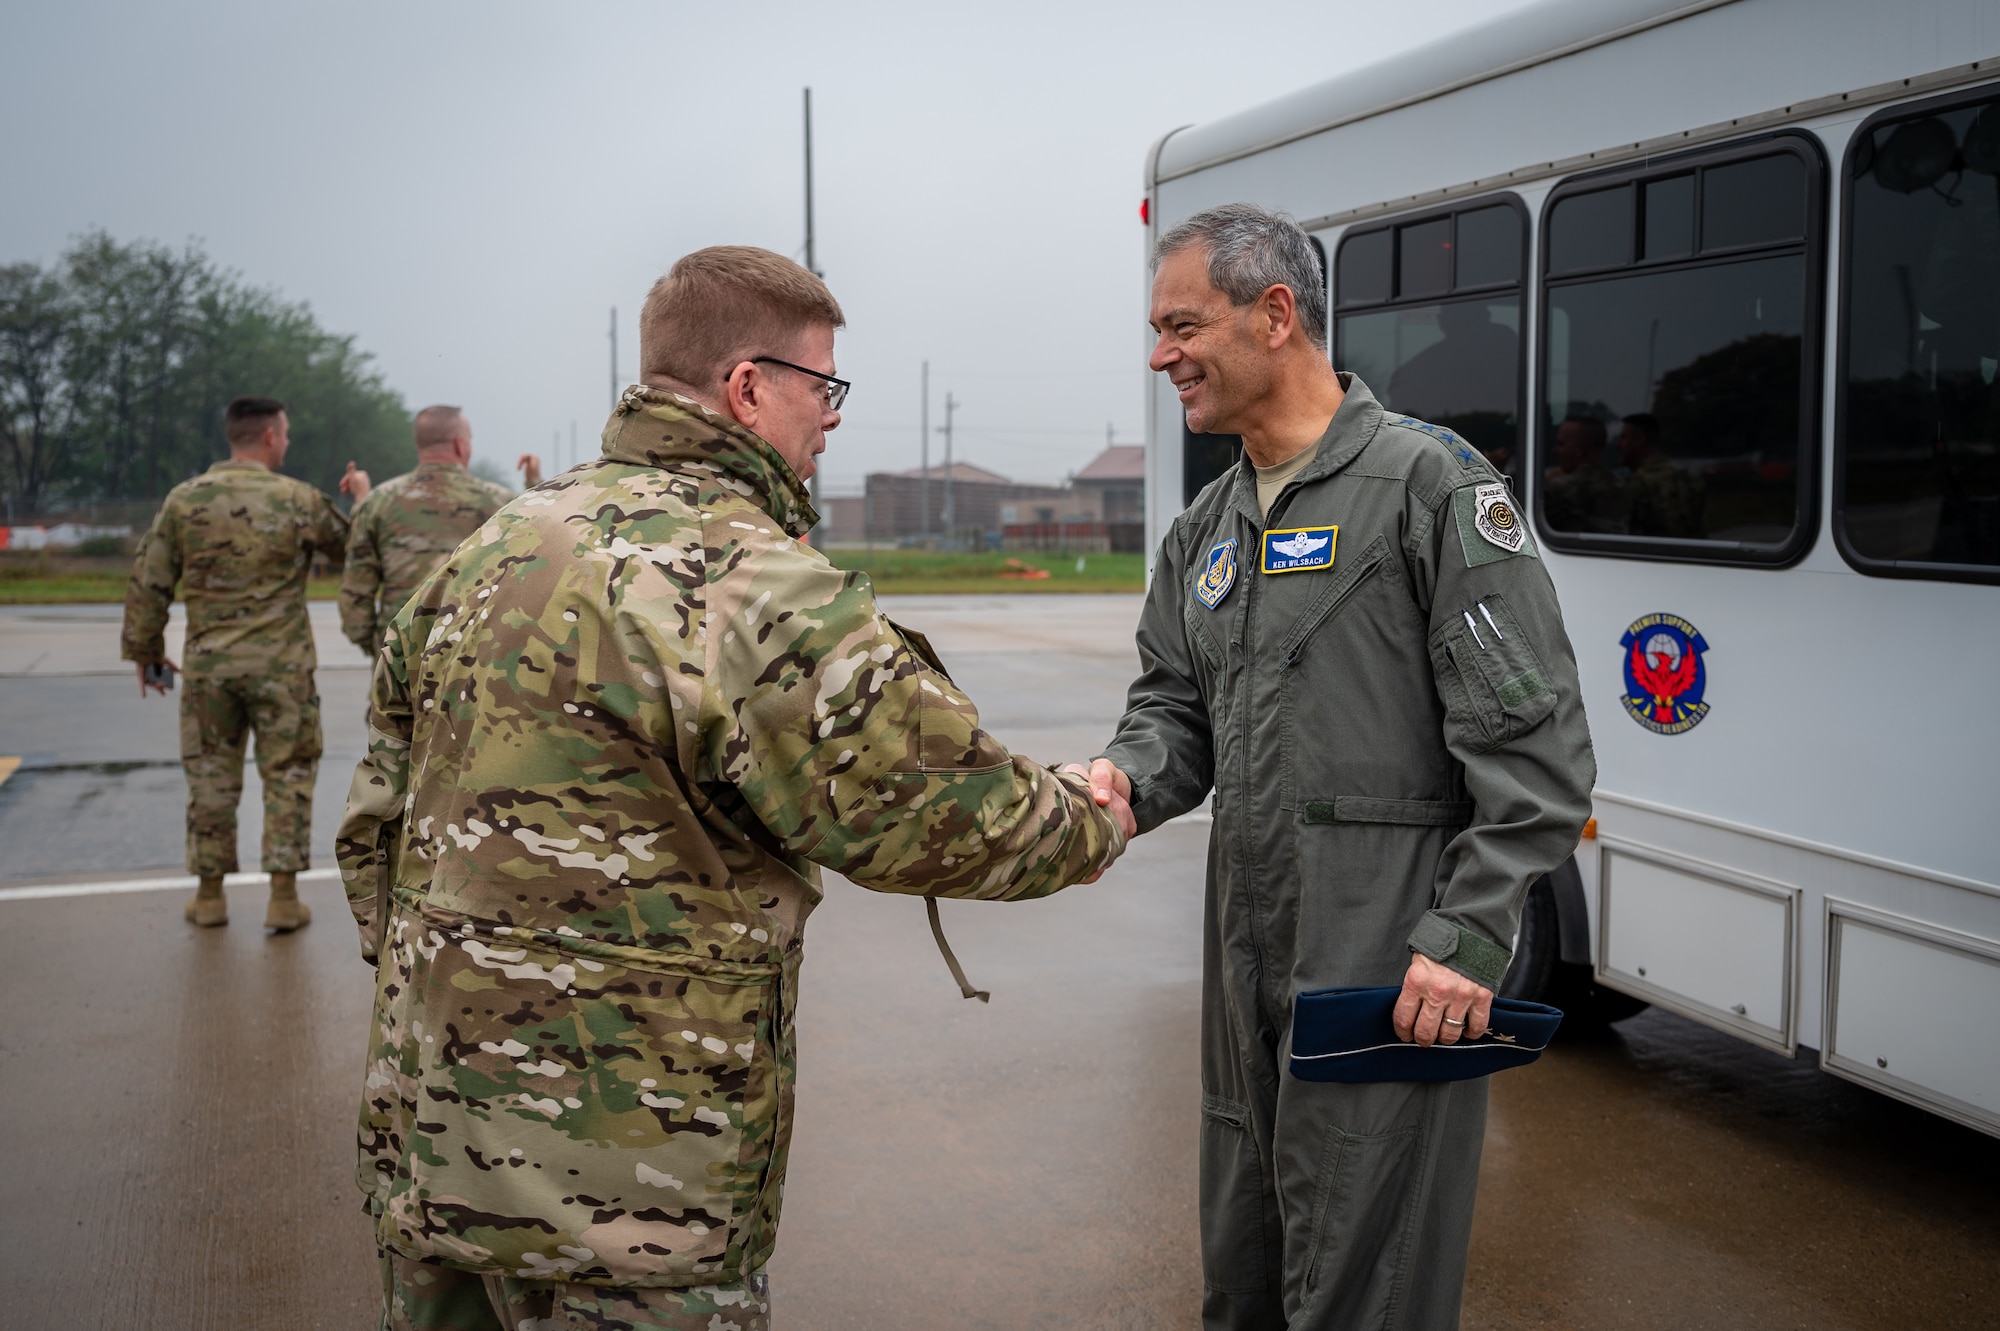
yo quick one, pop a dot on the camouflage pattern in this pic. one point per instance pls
(1664, 499)
(402, 532)
(215, 714)
(610, 741)
(238, 540)
(424, 1296)
(1588, 499)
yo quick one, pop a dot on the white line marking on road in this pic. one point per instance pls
(43, 891)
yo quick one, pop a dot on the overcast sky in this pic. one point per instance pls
(469, 188)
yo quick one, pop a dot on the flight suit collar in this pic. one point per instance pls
(654, 427)
(1352, 426)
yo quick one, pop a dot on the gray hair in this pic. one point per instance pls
(1249, 252)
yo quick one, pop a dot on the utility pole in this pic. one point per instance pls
(1107, 434)
(924, 448)
(950, 517)
(812, 265)
(572, 443)
(614, 357)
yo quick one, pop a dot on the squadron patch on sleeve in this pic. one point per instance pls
(1218, 574)
(1490, 524)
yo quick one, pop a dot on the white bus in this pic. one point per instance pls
(1717, 285)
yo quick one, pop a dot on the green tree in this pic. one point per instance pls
(116, 364)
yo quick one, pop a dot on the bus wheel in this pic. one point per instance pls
(1540, 975)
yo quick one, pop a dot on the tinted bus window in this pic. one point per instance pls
(1917, 483)
(1364, 268)
(1205, 457)
(1445, 344)
(1679, 375)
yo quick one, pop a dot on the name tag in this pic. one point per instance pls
(1299, 549)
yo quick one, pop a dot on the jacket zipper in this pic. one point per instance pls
(1303, 635)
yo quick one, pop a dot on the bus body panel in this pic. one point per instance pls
(1831, 810)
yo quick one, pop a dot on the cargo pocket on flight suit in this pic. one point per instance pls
(1493, 684)
(1364, 1212)
(1233, 1260)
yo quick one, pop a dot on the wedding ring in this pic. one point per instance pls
(1449, 1022)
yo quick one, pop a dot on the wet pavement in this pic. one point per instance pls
(176, 1107)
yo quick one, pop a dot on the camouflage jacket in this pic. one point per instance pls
(238, 540)
(610, 740)
(402, 532)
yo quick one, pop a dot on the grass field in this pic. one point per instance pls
(928, 572)
(57, 579)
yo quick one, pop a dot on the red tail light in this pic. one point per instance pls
(1145, 211)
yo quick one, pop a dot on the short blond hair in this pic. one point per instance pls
(722, 305)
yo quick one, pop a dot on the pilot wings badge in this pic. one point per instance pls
(1218, 574)
(1299, 549)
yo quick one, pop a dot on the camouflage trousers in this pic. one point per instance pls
(216, 717)
(424, 1296)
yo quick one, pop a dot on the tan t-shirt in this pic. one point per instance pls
(1270, 480)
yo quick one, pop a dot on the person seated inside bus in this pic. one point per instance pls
(1467, 381)
(1662, 498)
(1579, 493)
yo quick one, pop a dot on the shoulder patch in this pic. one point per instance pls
(1218, 573)
(1490, 524)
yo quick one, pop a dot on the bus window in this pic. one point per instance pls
(1917, 469)
(1443, 342)
(1205, 457)
(1679, 367)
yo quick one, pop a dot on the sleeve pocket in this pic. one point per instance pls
(1491, 680)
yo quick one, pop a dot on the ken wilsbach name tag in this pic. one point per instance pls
(1299, 548)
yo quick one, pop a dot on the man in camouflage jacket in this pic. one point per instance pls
(611, 740)
(238, 541)
(409, 523)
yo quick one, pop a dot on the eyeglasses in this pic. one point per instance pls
(835, 390)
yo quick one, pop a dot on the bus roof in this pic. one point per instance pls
(1514, 41)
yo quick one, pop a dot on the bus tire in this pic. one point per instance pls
(1540, 975)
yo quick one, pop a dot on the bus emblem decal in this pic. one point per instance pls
(1665, 676)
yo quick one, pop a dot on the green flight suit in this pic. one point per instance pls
(1397, 749)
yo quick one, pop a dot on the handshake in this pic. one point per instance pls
(1111, 789)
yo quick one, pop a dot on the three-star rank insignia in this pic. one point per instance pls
(1218, 573)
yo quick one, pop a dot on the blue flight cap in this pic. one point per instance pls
(1347, 1035)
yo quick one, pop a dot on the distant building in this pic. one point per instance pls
(1104, 509)
(904, 505)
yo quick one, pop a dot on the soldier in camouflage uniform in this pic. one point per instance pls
(1662, 498)
(238, 540)
(410, 523)
(611, 741)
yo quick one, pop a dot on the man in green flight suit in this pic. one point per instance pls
(238, 541)
(612, 740)
(409, 523)
(1351, 639)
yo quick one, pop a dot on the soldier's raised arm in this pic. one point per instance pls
(861, 756)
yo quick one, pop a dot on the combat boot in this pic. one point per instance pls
(286, 911)
(208, 907)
